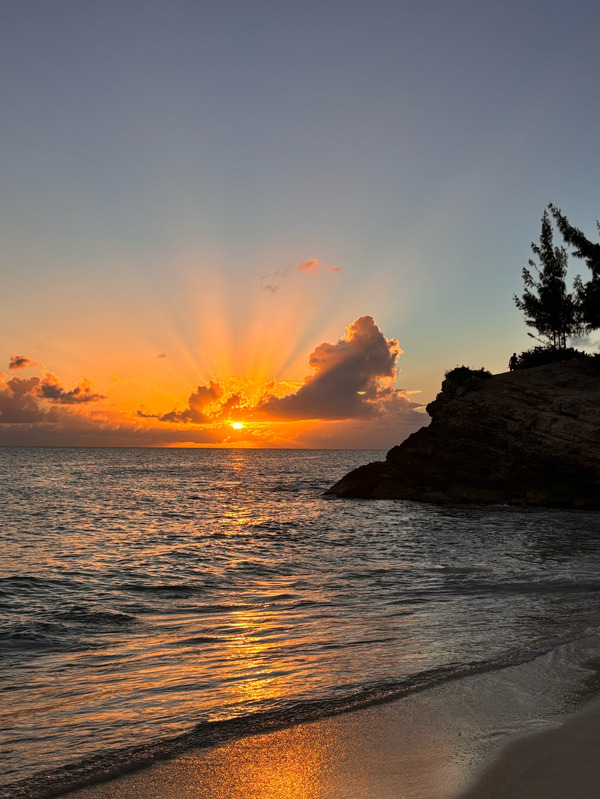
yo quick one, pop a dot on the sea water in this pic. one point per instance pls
(149, 598)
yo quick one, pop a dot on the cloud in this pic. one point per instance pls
(22, 399)
(307, 266)
(585, 342)
(352, 380)
(315, 267)
(28, 417)
(21, 362)
(63, 426)
(206, 404)
(272, 281)
(50, 389)
(162, 355)
(18, 403)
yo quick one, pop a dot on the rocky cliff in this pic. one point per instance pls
(528, 437)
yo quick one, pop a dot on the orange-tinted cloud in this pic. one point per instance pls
(21, 362)
(203, 404)
(26, 400)
(51, 389)
(349, 380)
(314, 266)
(306, 266)
(272, 281)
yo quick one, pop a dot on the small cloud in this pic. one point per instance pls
(308, 266)
(315, 267)
(162, 355)
(50, 389)
(271, 281)
(21, 362)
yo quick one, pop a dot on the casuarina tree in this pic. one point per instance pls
(547, 305)
(588, 294)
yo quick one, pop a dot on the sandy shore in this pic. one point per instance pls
(429, 745)
(560, 763)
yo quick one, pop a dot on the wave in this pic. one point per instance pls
(118, 762)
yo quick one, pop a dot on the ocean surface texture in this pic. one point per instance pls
(147, 594)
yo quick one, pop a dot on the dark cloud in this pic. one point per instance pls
(21, 362)
(29, 419)
(162, 355)
(201, 405)
(50, 389)
(349, 381)
(206, 405)
(18, 403)
(21, 399)
(70, 428)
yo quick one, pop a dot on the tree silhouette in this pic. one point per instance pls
(588, 294)
(546, 304)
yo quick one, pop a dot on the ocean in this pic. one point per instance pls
(157, 599)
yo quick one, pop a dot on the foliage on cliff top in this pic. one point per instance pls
(460, 374)
(541, 356)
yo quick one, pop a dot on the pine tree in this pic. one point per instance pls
(588, 294)
(546, 304)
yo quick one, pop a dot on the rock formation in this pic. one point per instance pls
(528, 437)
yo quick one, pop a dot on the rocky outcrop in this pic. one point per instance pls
(529, 437)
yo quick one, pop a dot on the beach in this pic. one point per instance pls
(556, 763)
(487, 736)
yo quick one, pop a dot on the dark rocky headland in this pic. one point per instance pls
(528, 437)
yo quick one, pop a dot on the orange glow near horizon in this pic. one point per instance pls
(209, 373)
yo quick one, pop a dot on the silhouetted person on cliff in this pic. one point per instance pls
(512, 364)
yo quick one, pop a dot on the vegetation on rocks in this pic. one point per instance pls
(548, 306)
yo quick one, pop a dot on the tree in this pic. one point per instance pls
(588, 294)
(547, 305)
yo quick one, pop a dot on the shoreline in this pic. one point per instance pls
(446, 742)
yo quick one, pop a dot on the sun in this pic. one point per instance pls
(237, 425)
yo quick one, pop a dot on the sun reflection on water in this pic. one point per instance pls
(257, 676)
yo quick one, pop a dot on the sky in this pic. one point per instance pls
(288, 217)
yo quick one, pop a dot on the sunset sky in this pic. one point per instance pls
(287, 217)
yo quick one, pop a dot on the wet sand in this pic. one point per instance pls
(429, 745)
